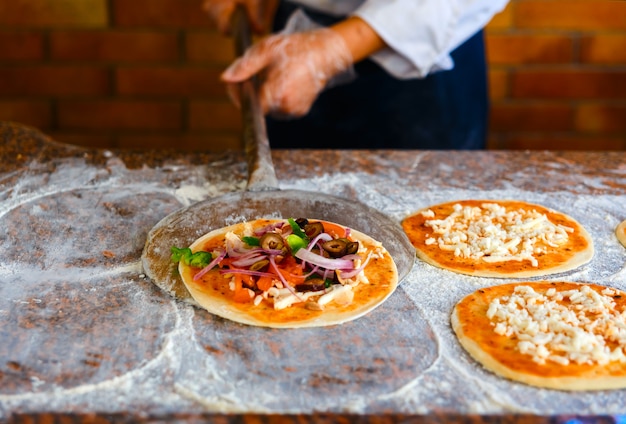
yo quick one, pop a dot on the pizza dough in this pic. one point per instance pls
(526, 332)
(352, 298)
(498, 238)
(620, 232)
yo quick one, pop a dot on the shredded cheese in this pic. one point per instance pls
(493, 234)
(574, 326)
(284, 298)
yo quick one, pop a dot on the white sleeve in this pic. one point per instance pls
(422, 33)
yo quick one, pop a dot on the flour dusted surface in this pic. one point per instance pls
(194, 363)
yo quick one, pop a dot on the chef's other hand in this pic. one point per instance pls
(259, 13)
(294, 69)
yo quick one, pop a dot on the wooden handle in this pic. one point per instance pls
(261, 174)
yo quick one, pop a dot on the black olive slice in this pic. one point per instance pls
(335, 248)
(313, 229)
(259, 265)
(312, 284)
(271, 241)
(352, 247)
(302, 222)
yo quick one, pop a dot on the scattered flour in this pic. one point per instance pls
(195, 370)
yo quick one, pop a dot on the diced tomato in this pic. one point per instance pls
(265, 283)
(290, 270)
(242, 294)
(226, 262)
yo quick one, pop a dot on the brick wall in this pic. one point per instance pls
(558, 75)
(143, 73)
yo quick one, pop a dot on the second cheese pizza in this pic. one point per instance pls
(498, 238)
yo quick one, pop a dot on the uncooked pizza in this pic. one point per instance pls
(498, 238)
(287, 272)
(620, 232)
(558, 335)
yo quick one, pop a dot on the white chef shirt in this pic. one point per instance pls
(420, 34)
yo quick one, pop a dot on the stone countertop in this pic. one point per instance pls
(85, 334)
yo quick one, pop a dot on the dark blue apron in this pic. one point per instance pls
(445, 110)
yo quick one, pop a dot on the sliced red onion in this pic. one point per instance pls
(356, 271)
(238, 253)
(207, 268)
(248, 260)
(272, 252)
(268, 228)
(282, 278)
(235, 252)
(312, 243)
(320, 236)
(328, 274)
(323, 262)
(315, 270)
(246, 272)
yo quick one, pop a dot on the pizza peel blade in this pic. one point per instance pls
(262, 198)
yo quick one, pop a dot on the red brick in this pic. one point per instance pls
(601, 118)
(216, 115)
(29, 112)
(210, 142)
(21, 45)
(498, 84)
(571, 14)
(524, 49)
(119, 115)
(569, 84)
(177, 81)
(85, 139)
(209, 47)
(54, 13)
(127, 46)
(53, 80)
(604, 48)
(159, 13)
(531, 116)
(563, 141)
(502, 20)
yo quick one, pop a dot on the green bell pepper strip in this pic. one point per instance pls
(198, 259)
(296, 229)
(295, 242)
(251, 241)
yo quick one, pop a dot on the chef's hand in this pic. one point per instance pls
(294, 69)
(260, 13)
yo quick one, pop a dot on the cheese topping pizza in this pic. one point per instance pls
(498, 238)
(560, 335)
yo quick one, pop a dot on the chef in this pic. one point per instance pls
(403, 74)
